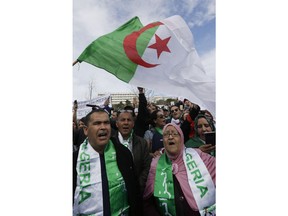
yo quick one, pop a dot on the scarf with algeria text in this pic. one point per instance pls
(88, 198)
(200, 182)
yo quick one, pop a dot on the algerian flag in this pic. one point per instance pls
(160, 56)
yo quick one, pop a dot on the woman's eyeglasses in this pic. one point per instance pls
(173, 134)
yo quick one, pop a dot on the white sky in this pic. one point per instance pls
(92, 19)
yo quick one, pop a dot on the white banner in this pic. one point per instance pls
(83, 110)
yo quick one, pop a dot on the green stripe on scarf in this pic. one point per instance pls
(164, 186)
(117, 189)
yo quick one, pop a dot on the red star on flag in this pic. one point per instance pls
(160, 45)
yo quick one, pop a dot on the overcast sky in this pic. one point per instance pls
(92, 19)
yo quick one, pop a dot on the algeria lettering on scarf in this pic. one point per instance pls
(200, 181)
(89, 182)
(88, 198)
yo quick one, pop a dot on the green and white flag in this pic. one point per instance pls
(160, 56)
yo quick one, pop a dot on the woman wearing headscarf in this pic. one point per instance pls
(181, 181)
(203, 124)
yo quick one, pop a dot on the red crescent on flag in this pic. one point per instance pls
(129, 45)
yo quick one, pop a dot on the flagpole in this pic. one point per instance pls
(75, 62)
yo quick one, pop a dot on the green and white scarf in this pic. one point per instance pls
(164, 187)
(200, 182)
(88, 198)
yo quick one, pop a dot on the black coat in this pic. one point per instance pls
(143, 117)
(142, 159)
(126, 167)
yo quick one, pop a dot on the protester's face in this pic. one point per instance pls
(98, 130)
(114, 115)
(172, 140)
(166, 113)
(125, 124)
(202, 127)
(160, 120)
(175, 112)
(81, 124)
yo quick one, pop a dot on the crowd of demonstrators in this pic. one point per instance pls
(137, 145)
(183, 115)
(156, 142)
(181, 181)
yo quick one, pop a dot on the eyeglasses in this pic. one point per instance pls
(175, 110)
(173, 134)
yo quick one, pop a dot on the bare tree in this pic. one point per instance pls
(91, 89)
(148, 92)
(134, 90)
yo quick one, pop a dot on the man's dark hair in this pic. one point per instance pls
(87, 117)
(153, 117)
(175, 105)
(82, 119)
